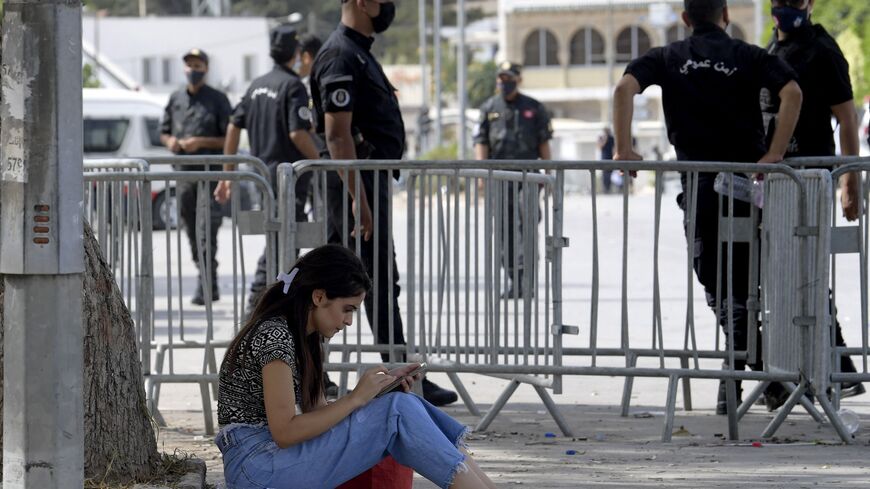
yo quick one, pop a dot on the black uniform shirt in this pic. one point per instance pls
(710, 85)
(204, 114)
(823, 74)
(513, 130)
(346, 77)
(275, 105)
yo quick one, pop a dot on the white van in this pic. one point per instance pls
(126, 124)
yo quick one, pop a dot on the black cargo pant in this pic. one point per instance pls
(303, 189)
(511, 226)
(706, 248)
(385, 288)
(188, 193)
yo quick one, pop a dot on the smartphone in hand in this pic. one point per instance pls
(421, 369)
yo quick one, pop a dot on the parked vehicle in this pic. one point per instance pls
(126, 124)
(122, 124)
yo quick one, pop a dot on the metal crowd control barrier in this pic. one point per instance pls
(852, 239)
(844, 239)
(469, 342)
(115, 210)
(176, 332)
(458, 222)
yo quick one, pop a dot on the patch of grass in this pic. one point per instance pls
(170, 469)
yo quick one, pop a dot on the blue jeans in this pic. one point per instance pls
(410, 429)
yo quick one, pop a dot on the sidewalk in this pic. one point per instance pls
(611, 451)
(616, 452)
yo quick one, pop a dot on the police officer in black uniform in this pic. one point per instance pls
(309, 46)
(195, 123)
(710, 85)
(823, 74)
(358, 113)
(512, 126)
(275, 111)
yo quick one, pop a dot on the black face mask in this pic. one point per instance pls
(383, 20)
(790, 19)
(195, 77)
(507, 87)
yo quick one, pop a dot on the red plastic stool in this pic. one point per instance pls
(388, 474)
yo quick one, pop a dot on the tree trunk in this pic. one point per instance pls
(119, 436)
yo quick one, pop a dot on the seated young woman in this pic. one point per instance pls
(278, 431)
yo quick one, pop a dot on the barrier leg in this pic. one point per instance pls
(151, 405)
(629, 385)
(554, 411)
(155, 386)
(463, 393)
(750, 400)
(835, 420)
(687, 385)
(342, 379)
(498, 406)
(731, 399)
(670, 408)
(212, 366)
(785, 410)
(206, 408)
(807, 405)
(151, 386)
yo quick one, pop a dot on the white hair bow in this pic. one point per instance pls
(287, 279)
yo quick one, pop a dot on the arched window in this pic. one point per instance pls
(736, 32)
(631, 42)
(587, 47)
(676, 32)
(541, 49)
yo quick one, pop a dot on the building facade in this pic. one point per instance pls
(149, 49)
(574, 51)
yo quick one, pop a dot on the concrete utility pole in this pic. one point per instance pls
(461, 85)
(439, 121)
(610, 51)
(758, 21)
(424, 72)
(42, 250)
(502, 30)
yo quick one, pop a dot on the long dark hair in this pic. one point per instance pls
(332, 268)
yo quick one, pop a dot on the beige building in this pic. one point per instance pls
(575, 50)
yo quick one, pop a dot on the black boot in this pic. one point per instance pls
(199, 297)
(848, 389)
(851, 389)
(515, 291)
(438, 396)
(722, 400)
(775, 396)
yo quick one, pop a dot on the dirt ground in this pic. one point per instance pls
(609, 451)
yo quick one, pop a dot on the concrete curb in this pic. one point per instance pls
(193, 479)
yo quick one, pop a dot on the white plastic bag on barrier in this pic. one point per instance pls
(745, 189)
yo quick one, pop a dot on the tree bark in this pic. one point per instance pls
(119, 435)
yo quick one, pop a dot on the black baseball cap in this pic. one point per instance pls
(704, 4)
(196, 53)
(508, 68)
(284, 38)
